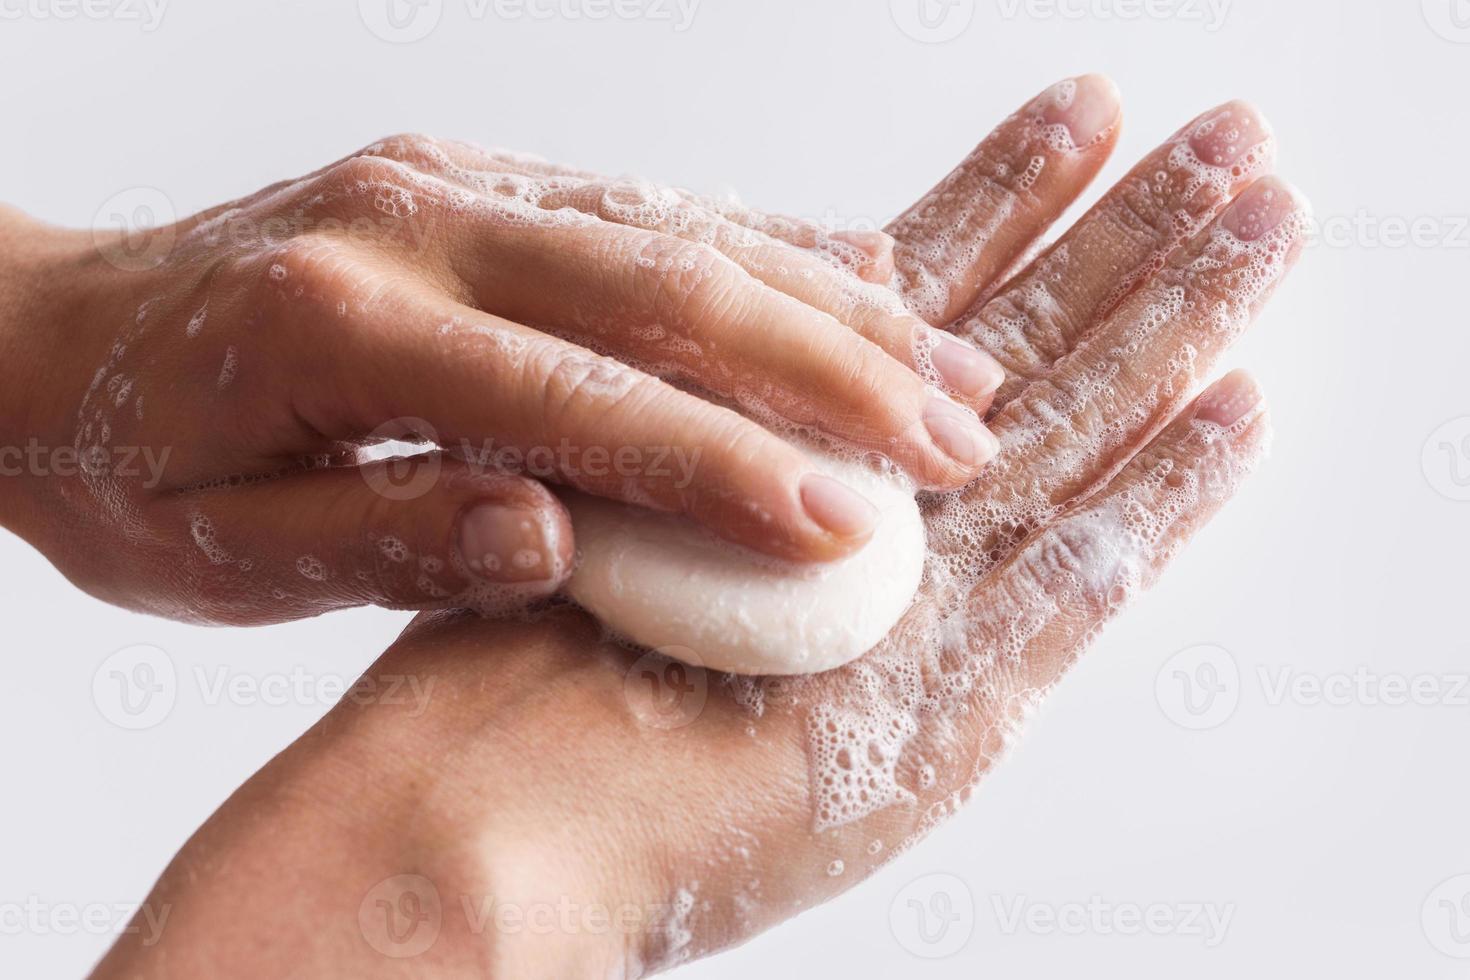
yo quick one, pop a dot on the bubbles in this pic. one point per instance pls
(228, 368)
(201, 529)
(393, 549)
(311, 568)
(196, 322)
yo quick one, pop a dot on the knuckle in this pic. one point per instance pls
(407, 148)
(1027, 324)
(1002, 183)
(1136, 214)
(578, 385)
(1074, 565)
(1057, 413)
(687, 283)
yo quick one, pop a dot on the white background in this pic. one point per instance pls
(1322, 829)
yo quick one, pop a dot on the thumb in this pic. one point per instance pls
(416, 533)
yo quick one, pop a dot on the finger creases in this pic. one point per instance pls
(1067, 579)
(682, 310)
(1040, 315)
(952, 244)
(1071, 430)
(515, 400)
(414, 532)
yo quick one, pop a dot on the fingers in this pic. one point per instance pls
(812, 272)
(954, 242)
(1038, 317)
(507, 397)
(804, 262)
(687, 312)
(413, 534)
(866, 254)
(1069, 578)
(1071, 430)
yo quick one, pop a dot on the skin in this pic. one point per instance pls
(544, 782)
(222, 376)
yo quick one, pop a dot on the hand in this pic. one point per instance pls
(553, 811)
(217, 379)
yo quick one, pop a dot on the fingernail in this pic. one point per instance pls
(506, 544)
(1230, 134)
(1260, 208)
(959, 433)
(1087, 105)
(836, 508)
(963, 368)
(1229, 400)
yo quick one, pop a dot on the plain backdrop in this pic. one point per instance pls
(1328, 829)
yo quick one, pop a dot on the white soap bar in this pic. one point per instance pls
(668, 584)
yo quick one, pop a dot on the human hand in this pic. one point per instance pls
(216, 380)
(560, 806)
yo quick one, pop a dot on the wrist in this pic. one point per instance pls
(360, 853)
